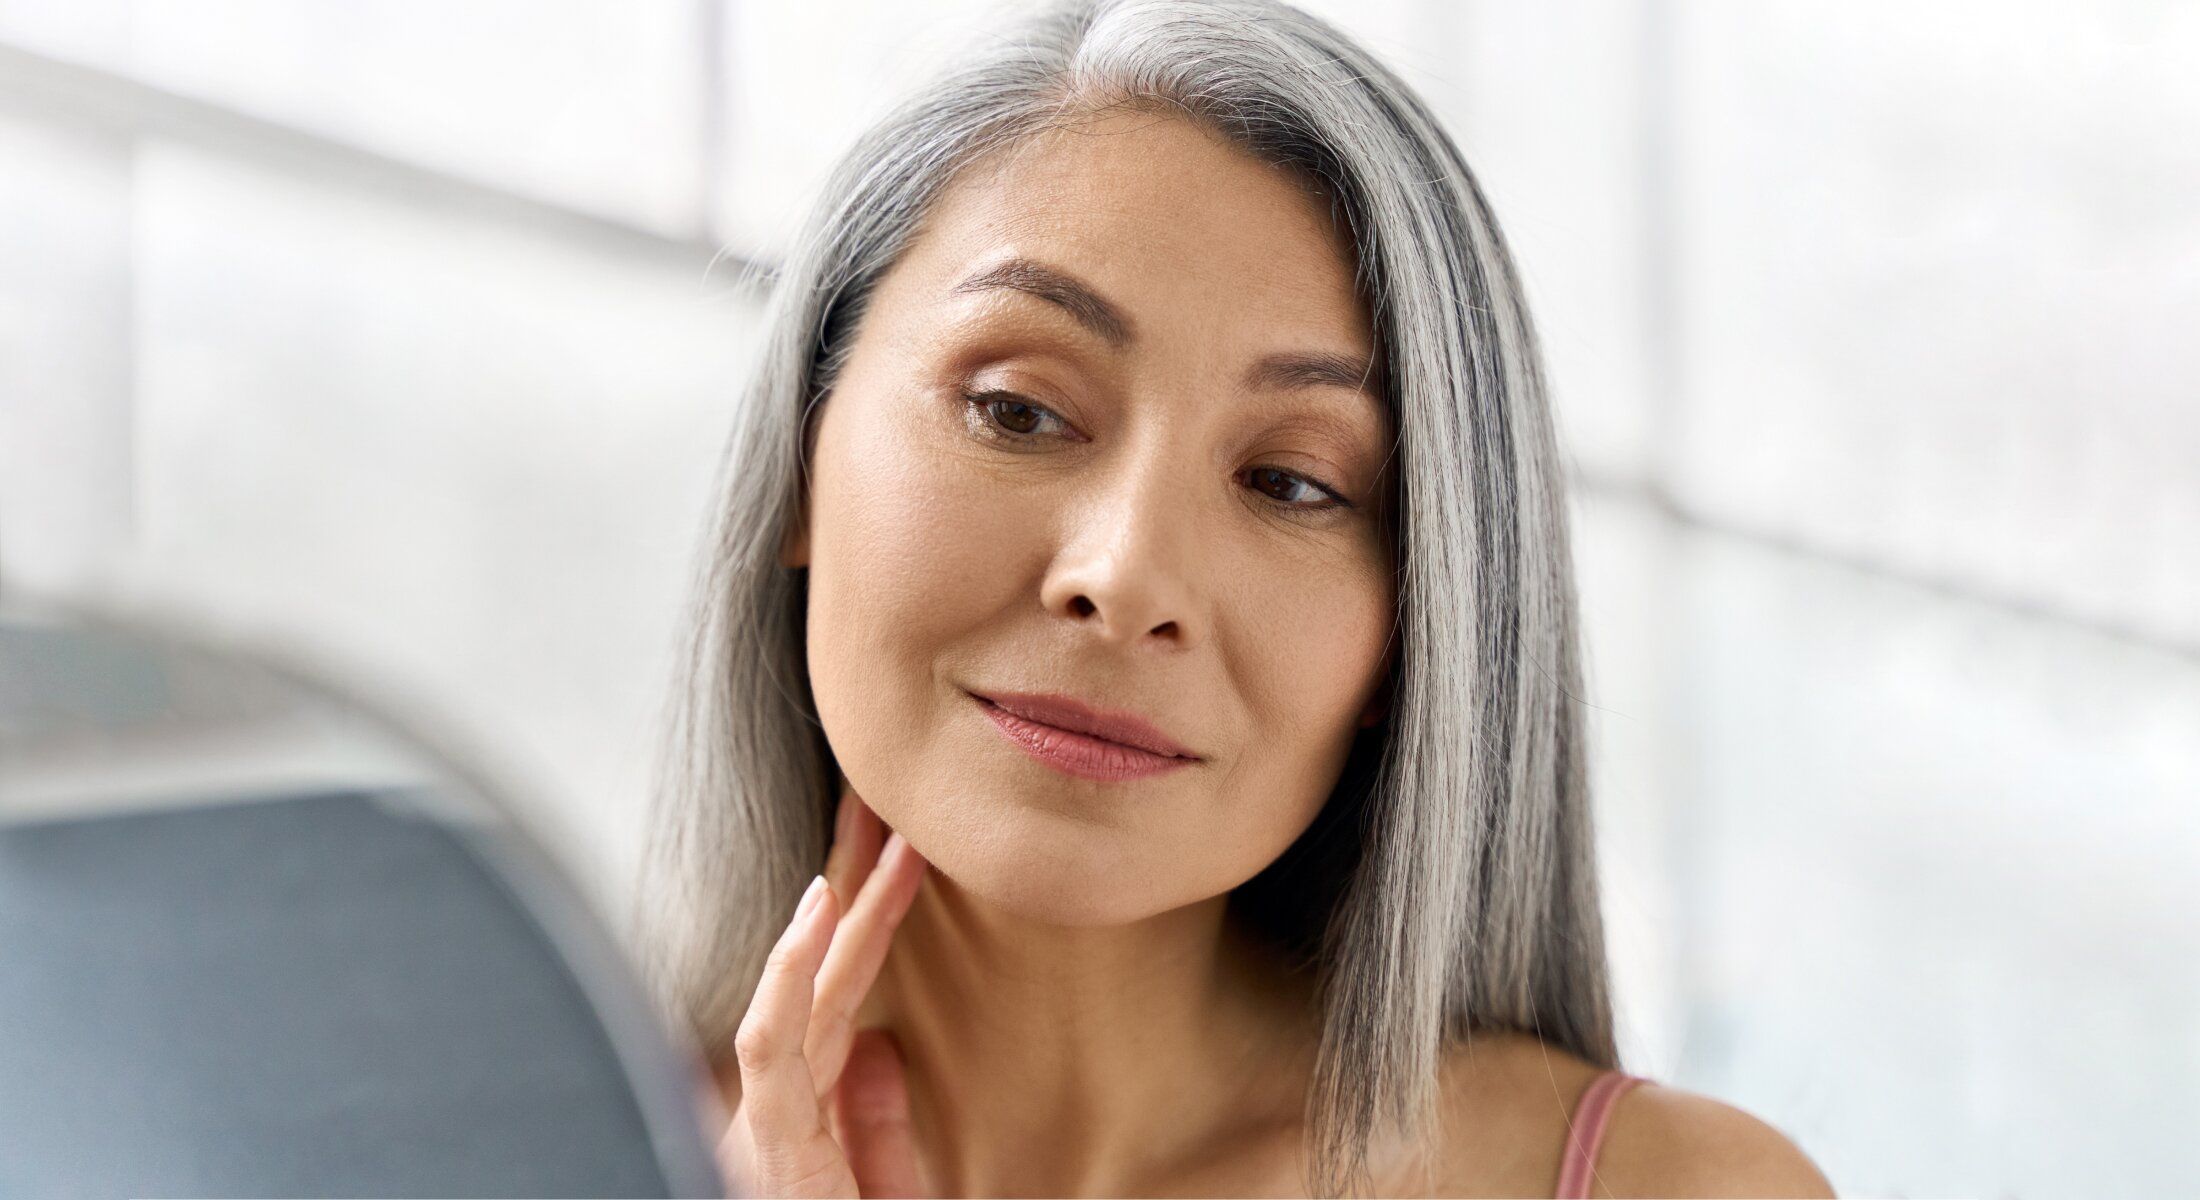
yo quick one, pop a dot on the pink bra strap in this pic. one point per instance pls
(1582, 1140)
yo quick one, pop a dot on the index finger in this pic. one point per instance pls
(778, 1097)
(858, 952)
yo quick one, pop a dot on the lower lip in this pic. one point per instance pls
(1079, 754)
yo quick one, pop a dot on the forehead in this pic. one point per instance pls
(1161, 213)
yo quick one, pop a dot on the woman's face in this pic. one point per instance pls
(1134, 510)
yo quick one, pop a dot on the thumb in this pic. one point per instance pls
(872, 1099)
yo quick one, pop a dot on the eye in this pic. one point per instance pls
(1007, 417)
(1297, 484)
(1017, 417)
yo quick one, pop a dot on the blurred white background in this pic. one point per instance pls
(408, 331)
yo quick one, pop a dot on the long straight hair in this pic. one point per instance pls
(1448, 885)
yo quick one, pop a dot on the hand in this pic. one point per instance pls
(824, 1109)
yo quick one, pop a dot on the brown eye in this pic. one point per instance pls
(1310, 493)
(1017, 417)
(1005, 415)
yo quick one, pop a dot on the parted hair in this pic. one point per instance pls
(1448, 885)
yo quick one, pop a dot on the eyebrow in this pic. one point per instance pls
(1283, 372)
(1278, 372)
(1073, 295)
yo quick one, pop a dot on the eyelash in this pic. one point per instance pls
(978, 404)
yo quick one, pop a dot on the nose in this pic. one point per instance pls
(1127, 569)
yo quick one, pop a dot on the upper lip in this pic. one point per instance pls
(1068, 712)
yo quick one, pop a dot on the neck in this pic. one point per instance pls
(1053, 1060)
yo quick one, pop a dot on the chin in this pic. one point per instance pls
(1049, 867)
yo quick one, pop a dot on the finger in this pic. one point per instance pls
(872, 1104)
(858, 952)
(778, 1095)
(858, 836)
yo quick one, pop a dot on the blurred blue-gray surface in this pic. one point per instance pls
(258, 939)
(313, 995)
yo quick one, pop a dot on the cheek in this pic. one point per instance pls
(1310, 644)
(909, 539)
(906, 559)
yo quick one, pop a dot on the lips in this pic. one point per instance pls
(1074, 715)
(1077, 752)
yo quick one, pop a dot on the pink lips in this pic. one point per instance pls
(1085, 755)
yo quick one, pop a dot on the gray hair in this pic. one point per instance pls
(1449, 884)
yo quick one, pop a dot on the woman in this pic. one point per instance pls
(1142, 584)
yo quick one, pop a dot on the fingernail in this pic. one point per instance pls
(810, 898)
(895, 843)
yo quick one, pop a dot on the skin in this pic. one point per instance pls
(1051, 999)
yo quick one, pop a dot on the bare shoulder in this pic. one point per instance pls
(1506, 1098)
(1509, 1099)
(1663, 1141)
